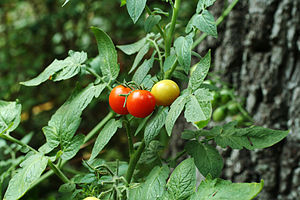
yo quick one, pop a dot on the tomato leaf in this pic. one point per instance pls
(183, 49)
(107, 53)
(135, 8)
(130, 49)
(195, 111)
(31, 169)
(202, 4)
(175, 110)
(207, 159)
(142, 52)
(251, 138)
(10, 116)
(200, 72)
(205, 22)
(65, 121)
(70, 149)
(155, 124)
(170, 61)
(182, 182)
(60, 69)
(223, 189)
(151, 21)
(105, 135)
(142, 71)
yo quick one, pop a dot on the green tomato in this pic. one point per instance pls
(233, 108)
(240, 119)
(225, 96)
(216, 99)
(219, 114)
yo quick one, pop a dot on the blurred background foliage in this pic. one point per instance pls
(35, 32)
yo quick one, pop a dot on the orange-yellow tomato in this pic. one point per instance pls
(165, 92)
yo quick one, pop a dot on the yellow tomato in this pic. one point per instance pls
(91, 198)
(165, 92)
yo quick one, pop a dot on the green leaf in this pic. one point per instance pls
(202, 4)
(136, 191)
(130, 49)
(66, 1)
(218, 189)
(175, 110)
(142, 71)
(148, 160)
(205, 22)
(151, 21)
(207, 159)
(66, 119)
(182, 182)
(183, 49)
(70, 149)
(251, 138)
(143, 51)
(105, 135)
(135, 8)
(60, 69)
(107, 53)
(52, 136)
(155, 124)
(200, 72)
(169, 62)
(10, 116)
(31, 169)
(67, 187)
(193, 110)
(155, 182)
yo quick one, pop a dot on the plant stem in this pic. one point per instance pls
(219, 21)
(14, 140)
(133, 161)
(91, 71)
(129, 136)
(159, 54)
(170, 32)
(100, 125)
(58, 172)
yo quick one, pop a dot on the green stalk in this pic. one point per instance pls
(14, 140)
(129, 136)
(133, 161)
(91, 71)
(170, 32)
(157, 25)
(58, 172)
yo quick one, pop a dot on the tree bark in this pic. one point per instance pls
(258, 52)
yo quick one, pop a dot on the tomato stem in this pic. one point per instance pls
(157, 25)
(129, 136)
(58, 172)
(133, 161)
(170, 32)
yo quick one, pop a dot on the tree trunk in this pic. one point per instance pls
(258, 52)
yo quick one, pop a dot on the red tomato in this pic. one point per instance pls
(140, 103)
(116, 101)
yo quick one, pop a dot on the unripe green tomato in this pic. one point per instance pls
(240, 119)
(225, 96)
(216, 99)
(232, 108)
(219, 114)
(91, 198)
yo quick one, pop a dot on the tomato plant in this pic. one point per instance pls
(117, 102)
(165, 92)
(162, 55)
(140, 103)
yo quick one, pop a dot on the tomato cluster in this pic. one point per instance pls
(141, 103)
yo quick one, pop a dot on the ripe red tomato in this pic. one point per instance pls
(116, 101)
(140, 103)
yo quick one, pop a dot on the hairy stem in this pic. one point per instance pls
(58, 172)
(133, 161)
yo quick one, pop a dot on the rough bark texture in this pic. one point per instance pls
(258, 52)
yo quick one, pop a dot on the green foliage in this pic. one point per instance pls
(162, 55)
